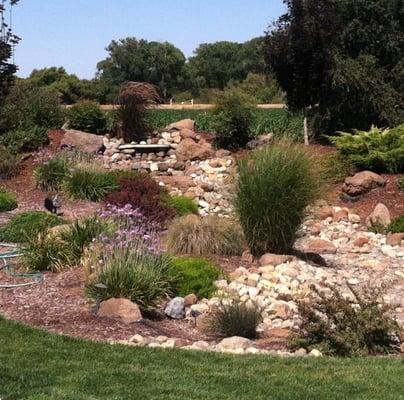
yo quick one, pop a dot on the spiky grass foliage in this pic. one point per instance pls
(195, 275)
(47, 253)
(133, 100)
(10, 164)
(397, 225)
(28, 225)
(346, 327)
(205, 236)
(133, 273)
(8, 200)
(89, 184)
(274, 187)
(50, 175)
(334, 168)
(181, 205)
(235, 319)
(82, 233)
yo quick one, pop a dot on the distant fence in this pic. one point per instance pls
(108, 107)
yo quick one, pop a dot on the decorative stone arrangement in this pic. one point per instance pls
(358, 258)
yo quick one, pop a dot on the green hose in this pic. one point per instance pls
(8, 267)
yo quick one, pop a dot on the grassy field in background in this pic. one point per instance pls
(35, 365)
(281, 122)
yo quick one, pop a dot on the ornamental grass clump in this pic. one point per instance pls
(339, 326)
(235, 319)
(50, 175)
(205, 236)
(10, 164)
(274, 187)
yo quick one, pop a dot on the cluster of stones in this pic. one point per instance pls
(355, 258)
(190, 166)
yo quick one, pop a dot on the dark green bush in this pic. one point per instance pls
(194, 275)
(181, 205)
(205, 236)
(235, 319)
(274, 187)
(335, 326)
(10, 164)
(377, 150)
(89, 184)
(27, 106)
(141, 276)
(233, 118)
(50, 175)
(24, 140)
(87, 116)
(397, 225)
(8, 200)
(47, 253)
(27, 225)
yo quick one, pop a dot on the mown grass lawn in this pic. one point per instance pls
(36, 365)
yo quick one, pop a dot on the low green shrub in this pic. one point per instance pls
(28, 225)
(29, 106)
(10, 164)
(87, 116)
(377, 150)
(274, 187)
(233, 118)
(194, 275)
(181, 205)
(89, 184)
(397, 225)
(50, 175)
(235, 319)
(23, 140)
(47, 253)
(205, 236)
(8, 200)
(141, 276)
(334, 168)
(338, 326)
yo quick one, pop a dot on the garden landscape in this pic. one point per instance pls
(224, 226)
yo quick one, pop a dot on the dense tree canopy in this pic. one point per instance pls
(341, 58)
(131, 59)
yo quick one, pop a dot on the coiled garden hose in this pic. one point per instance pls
(9, 267)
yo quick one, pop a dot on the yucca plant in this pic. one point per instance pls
(50, 175)
(274, 187)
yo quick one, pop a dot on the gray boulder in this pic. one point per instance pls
(176, 308)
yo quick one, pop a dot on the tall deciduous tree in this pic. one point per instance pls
(342, 59)
(7, 42)
(131, 59)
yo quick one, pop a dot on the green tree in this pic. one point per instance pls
(342, 59)
(130, 59)
(7, 41)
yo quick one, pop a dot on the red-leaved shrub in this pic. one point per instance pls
(143, 193)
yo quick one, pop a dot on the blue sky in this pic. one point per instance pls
(74, 33)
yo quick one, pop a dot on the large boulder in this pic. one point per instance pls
(380, 216)
(122, 309)
(189, 150)
(83, 141)
(362, 182)
(183, 124)
(234, 343)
